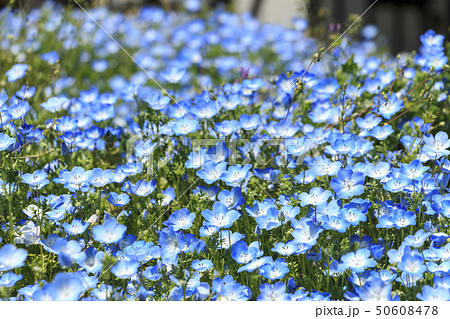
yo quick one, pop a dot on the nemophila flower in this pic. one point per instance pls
(184, 126)
(378, 171)
(92, 261)
(103, 112)
(125, 269)
(76, 176)
(16, 72)
(173, 74)
(152, 272)
(436, 146)
(232, 198)
(171, 243)
(375, 290)
(180, 219)
(382, 132)
(337, 223)
(306, 233)
(343, 146)
(220, 216)
(285, 129)
(77, 227)
(285, 249)
(233, 292)
(142, 188)
(275, 292)
(9, 279)
(18, 110)
(249, 122)
(202, 265)
(64, 287)
(99, 177)
(205, 109)
(316, 196)
(270, 220)
(353, 216)
(414, 170)
(358, 261)
(211, 172)
(25, 92)
(276, 270)
(402, 218)
(323, 166)
(418, 239)
(236, 174)
(243, 253)
(227, 238)
(68, 251)
(305, 177)
(229, 102)
(169, 195)
(50, 57)
(387, 108)
(226, 127)
(412, 264)
(36, 180)
(12, 257)
(298, 146)
(109, 233)
(118, 200)
(348, 183)
(438, 269)
(433, 294)
(67, 124)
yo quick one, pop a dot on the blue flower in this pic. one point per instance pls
(227, 127)
(275, 292)
(433, 294)
(125, 269)
(12, 257)
(173, 74)
(65, 287)
(379, 171)
(16, 72)
(414, 170)
(18, 110)
(358, 261)
(202, 265)
(92, 262)
(276, 270)
(9, 279)
(381, 133)
(338, 223)
(236, 174)
(184, 126)
(348, 183)
(418, 239)
(205, 109)
(436, 147)
(232, 198)
(211, 172)
(180, 219)
(76, 176)
(306, 233)
(55, 104)
(142, 188)
(412, 264)
(171, 243)
(68, 251)
(316, 196)
(220, 216)
(118, 200)
(109, 233)
(77, 227)
(36, 180)
(375, 290)
(389, 107)
(243, 253)
(99, 177)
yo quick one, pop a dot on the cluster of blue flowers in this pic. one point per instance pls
(201, 169)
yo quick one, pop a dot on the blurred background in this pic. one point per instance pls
(401, 22)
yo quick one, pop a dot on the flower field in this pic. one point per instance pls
(204, 155)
